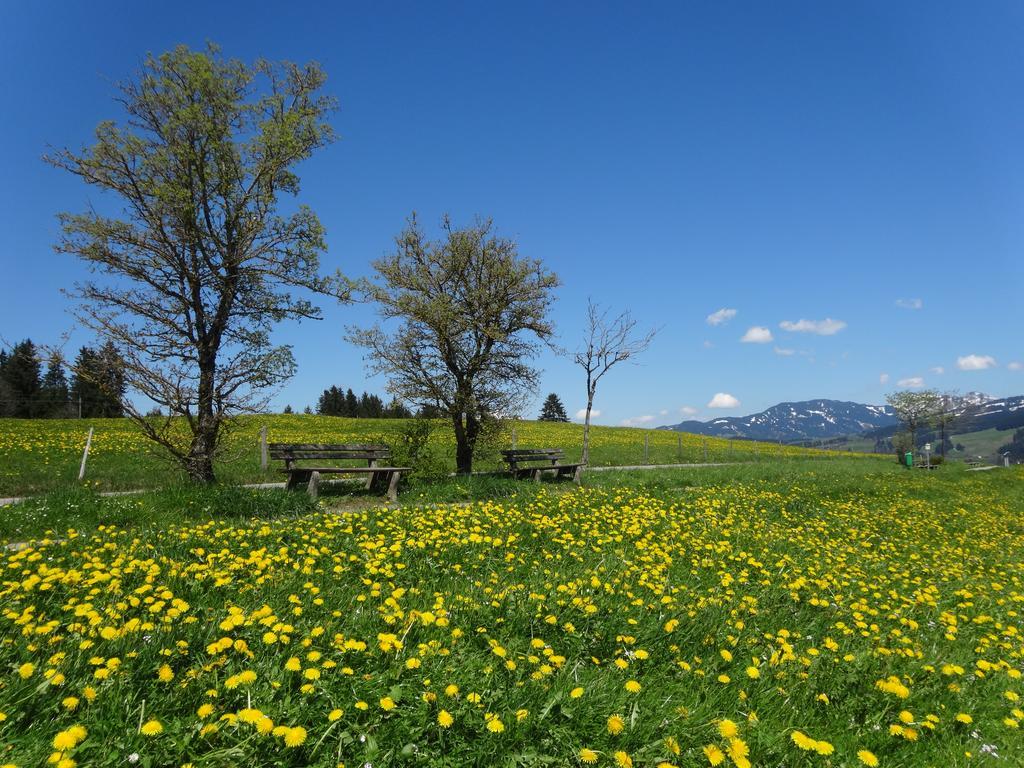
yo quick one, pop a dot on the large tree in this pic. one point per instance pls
(200, 262)
(915, 410)
(471, 313)
(607, 341)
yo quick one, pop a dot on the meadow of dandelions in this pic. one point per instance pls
(735, 626)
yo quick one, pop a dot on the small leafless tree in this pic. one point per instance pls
(607, 342)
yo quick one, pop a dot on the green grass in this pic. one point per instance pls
(41, 455)
(341, 628)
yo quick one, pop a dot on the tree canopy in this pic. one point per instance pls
(201, 264)
(470, 313)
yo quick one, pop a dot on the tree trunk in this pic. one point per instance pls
(463, 447)
(199, 462)
(585, 458)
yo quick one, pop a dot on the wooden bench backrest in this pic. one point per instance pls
(519, 455)
(290, 452)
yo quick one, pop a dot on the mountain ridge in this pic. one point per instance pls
(824, 419)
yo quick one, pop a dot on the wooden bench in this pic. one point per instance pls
(377, 458)
(532, 462)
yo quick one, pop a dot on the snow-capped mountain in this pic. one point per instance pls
(825, 419)
(807, 420)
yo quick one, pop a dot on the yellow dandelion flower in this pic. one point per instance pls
(867, 757)
(633, 686)
(295, 737)
(152, 728)
(616, 724)
(714, 755)
(588, 756)
(623, 760)
(445, 719)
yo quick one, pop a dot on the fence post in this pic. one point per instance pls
(679, 448)
(85, 455)
(647, 446)
(264, 458)
(515, 438)
(704, 446)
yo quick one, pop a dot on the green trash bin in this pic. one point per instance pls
(908, 458)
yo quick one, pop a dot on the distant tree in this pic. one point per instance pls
(553, 410)
(331, 402)
(902, 444)
(473, 312)
(54, 393)
(396, 409)
(288, 409)
(22, 376)
(308, 410)
(914, 410)
(607, 342)
(1015, 448)
(946, 416)
(370, 407)
(428, 411)
(351, 404)
(98, 383)
(202, 263)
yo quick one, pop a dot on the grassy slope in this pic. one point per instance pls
(37, 456)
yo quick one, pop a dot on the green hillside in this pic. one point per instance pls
(39, 455)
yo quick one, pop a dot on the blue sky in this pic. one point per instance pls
(789, 161)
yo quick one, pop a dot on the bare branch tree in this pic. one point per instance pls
(200, 266)
(607, 342)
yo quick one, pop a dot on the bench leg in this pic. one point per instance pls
(372, 477)
(296, 478)
(577, 475)
(313, 488)
(393, 486)
(536, 475)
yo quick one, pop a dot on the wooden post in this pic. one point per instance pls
(704, 445)
(679, 448)
(515, 438)
(85, 455)
(264, 456)
(647, 447)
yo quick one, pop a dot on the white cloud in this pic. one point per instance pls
(581, 414)
(687, 410)
(757, 335)
(938, 370)
(663, 412)
(636, 421)
(721, 316)
(1015, 366)
(909, 303)
(826, 327)
(883, 378)
(975, 362)
(723, 400)
(785, 352)
(912, 382)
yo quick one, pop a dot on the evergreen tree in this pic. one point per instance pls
(53, 397)
(351, 404)
(553, 410)
(288, 409)
(21, 375)
(97, 383)
(331, 402)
